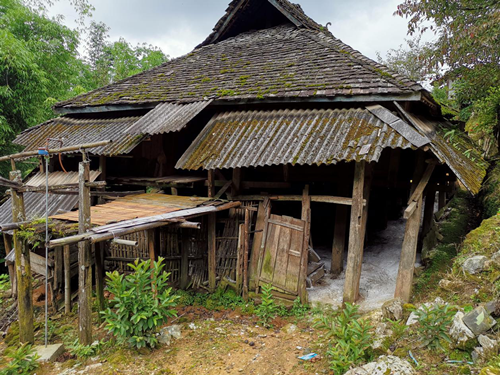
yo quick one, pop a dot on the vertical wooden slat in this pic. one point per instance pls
(236, 187)
(84, 258)
(239, 260)
(246, 246)
(67, 279)
(257, 242)
(356, 237)
(58, 269)
(185, 250)
(303, 262)
(99, 274)
(152, 246)
(212, 260)
(7, 241)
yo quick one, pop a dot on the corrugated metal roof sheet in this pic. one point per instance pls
(75, 131)
(34, 204)
(459, 153)
(167, 117)
(259, 138)
(59, 178)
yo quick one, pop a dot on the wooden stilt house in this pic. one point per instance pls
(316, 141)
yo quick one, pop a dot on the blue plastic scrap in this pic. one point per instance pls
(308, 357)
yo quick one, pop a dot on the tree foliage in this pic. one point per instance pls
(467, 45)
(40, 64)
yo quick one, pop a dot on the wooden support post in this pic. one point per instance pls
(239, 260)
(246, 247)
(152, 246)
(339, 236)
(102, 177)
(211, 183)
(430, 198)
(442, 199)
(58, 269)
(100, 250)
(236, 188)
(23, 268)
(356, 237)
(306, 203)
(212, 248)
(84, 258)
(186, 248)
(410, 242)
(408, 254)
(67, 279)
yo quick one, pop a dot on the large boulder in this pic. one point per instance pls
(384, 365)
(459, 332)
(475, 264)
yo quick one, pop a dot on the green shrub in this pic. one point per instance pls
(23, 361)
(349, 338)
(433, 324)
(268, 309)
(142, 303)
(85, 351)
(298, 309)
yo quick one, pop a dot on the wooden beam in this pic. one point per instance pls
(67, 279)
(212, 260)
(223, 189)
(297, 198)
(83, 146)
(23, 269)
(265, 185)
(84, 258)
(306, 203)
(152, 246)
(356, 237)
(239, 259)
(7, 241)
(419, 190)
(410, 210)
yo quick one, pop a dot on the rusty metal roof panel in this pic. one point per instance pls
(74, 131)
(34, 204)
(59, 178)
(260, 138)
(168, 117)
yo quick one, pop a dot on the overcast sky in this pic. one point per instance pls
(177, 26)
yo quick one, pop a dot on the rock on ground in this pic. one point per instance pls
(475, 264)
(393, 309)
(459, 332)
(479, 320)
(384, 365)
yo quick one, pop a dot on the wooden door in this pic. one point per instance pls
(284, 250)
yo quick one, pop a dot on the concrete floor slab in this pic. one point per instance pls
(49, 353)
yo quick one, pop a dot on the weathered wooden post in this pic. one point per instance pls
(211, 183)
(356, 237)
(7, 241)
(84, 258)
(409, 251)
(236, 186)
(23, 268)
(430, 199)
(239, 259)
(212, 248)
(67, 279)
(339, 236)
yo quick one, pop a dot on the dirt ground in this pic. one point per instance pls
(212, 343)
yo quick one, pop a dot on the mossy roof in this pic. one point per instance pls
(284, 61)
